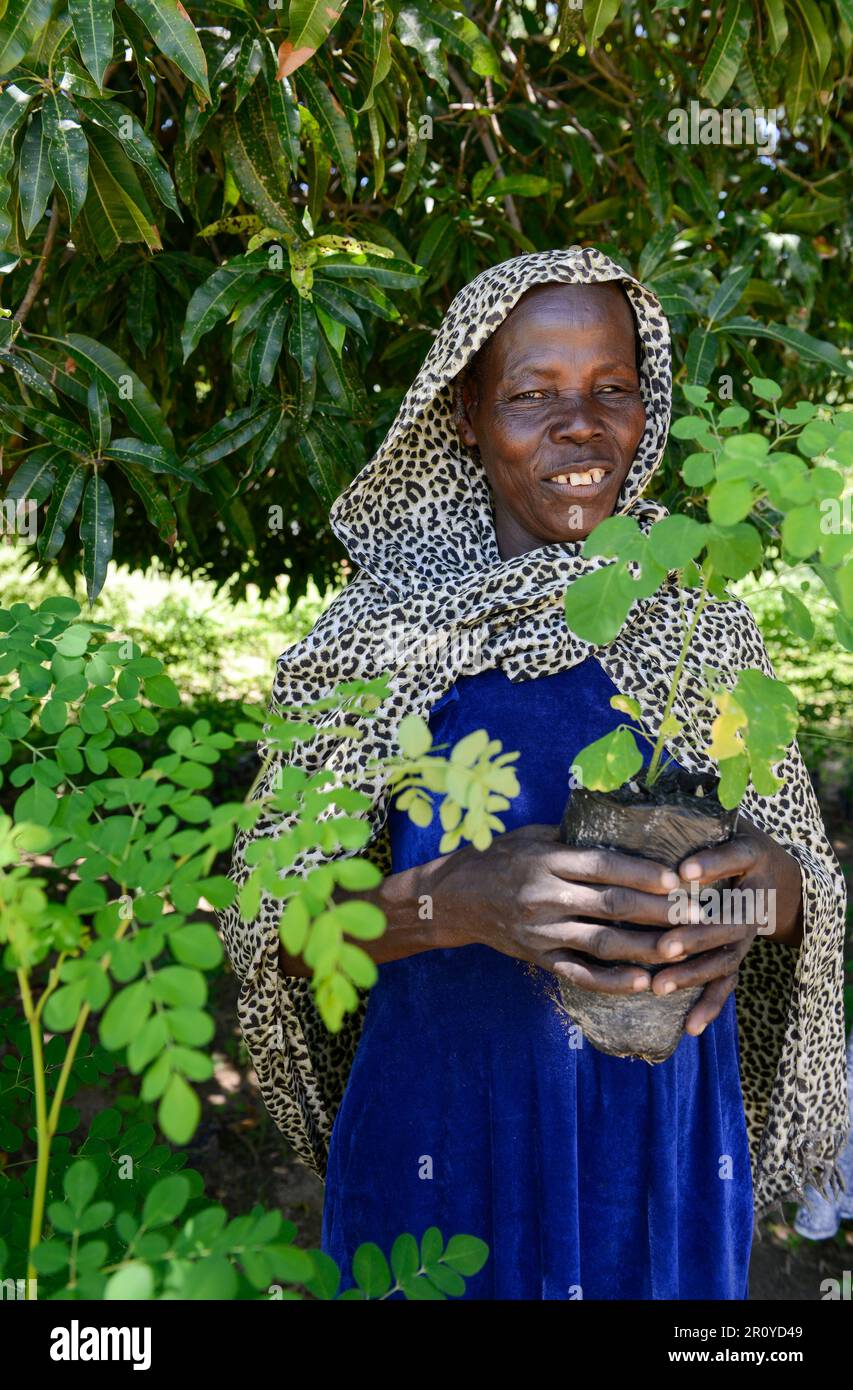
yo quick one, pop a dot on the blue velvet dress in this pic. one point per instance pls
(468, 1108)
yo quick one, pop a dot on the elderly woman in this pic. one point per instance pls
(455, 1096)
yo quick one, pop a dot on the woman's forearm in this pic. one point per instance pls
(407, 900)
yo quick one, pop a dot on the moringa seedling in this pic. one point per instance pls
(766, 506)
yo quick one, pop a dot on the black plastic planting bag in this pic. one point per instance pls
(665, 824)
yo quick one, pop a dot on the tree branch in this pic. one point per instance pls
(486, 141)
(38, 275)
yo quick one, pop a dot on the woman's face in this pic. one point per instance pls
(556, 412)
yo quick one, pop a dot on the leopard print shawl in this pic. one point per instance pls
(431, 598)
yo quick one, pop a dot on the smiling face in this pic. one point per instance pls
(553, 404)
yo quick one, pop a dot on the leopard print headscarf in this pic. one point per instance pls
(431, 599)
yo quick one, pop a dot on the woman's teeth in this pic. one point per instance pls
(593, 475)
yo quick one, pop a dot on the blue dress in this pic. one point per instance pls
(468, 1108)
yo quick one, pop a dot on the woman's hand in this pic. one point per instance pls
(765, 899)
(527, 896)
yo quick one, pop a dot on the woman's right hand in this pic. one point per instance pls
(527, 896)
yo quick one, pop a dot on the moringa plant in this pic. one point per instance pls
(107, 887)
(766, 506)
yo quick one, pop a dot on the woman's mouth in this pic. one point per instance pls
(580, 482)
(579, 479)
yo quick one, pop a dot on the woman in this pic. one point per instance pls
(458, 1097)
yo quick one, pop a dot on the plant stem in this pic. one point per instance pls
(42, 1127)
(653, 771)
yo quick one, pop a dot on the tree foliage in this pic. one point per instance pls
(230, 232)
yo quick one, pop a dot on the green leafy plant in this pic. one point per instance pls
(229, 233)
(107, 886)
(765, 505)
(475, 782)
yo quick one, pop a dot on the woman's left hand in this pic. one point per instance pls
(768, 894)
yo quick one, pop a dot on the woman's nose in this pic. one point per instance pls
(575, 418)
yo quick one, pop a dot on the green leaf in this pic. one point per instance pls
(68, 151)
(142, 306)
(166, 1200)
(404, 1257)
(257, 157)
(269, 338)
(179, 1110)
(122, 386)
(311, 22)
(134, 1283)
(465, 1254)
(734, 550)
(158, 508)
(116, 209)
(376, 29)
(125, 1015)
(64, 502)
(674, 540)
(798, 617)
(100, 422)
(800, 83)
(729, 293)
(35, 176)
(228, 434)
(93, 30)
(57, 428)
(80, 1184)
(726, 53)
(174, 34)
(124, 127)
(161, 690)
(35, 475)
(303, 337)
(809, 348)
(801, 533)
(698, 469)
(216, 296)
(249, 63)
(598, 15)
(519, 185)
(701, 357)
(778, 22)
(196, 944)
(597, 604)
(20, 22)
(734, 779)
(96, 533)
(764, 388)
(370, 1270)
(729, 502)
(821, 44)
(334, 125)
(609, 762)
(153, 458)
(626, 704)
(414, 736)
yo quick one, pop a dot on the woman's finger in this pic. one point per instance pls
(700, 970)
(628, 979)
(709, 1005)
(609, 866)
(616, 903)
(675, 944)
(601, 942)
(736, 857)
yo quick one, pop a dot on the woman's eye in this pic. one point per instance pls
(532, 392)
